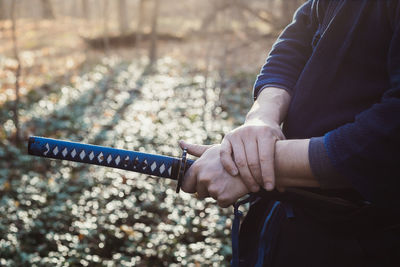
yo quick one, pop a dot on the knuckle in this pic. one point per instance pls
(234, 136)
(213, 192)
(223, 201)
(268, 132)
(203, 178)
(264, 129)
(240, 162)
(254, 165)
(185, 188)
(228, 136)
(248, 130)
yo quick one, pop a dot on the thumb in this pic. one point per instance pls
(194, 149)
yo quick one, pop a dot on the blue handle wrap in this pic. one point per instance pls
(156, 165)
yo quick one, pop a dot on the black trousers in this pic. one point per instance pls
(324, 231)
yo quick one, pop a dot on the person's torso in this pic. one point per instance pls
(347, 71)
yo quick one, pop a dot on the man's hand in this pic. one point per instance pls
(208, 177)
(249, 149)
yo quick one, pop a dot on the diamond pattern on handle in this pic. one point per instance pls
(162, 168)
(64, 152)
(136, 163)
(82, 154)
(126, 161)
(100, 157)
(91, 155)
(48, 149)
(55, 151)
(118, 160)
(144, 165)
(153, 166)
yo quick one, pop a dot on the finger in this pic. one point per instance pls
(190, 180)
(202, 191)
(213, 191)
(266, 153)
(224, 203)
(227, 158)
(241, 163)
(232, 193)
(194, 149)
(251, 150)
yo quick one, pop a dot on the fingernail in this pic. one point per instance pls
(234, 172)
(269, 186)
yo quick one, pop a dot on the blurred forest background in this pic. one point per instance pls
(132, 74)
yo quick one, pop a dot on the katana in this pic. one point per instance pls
(151, 164)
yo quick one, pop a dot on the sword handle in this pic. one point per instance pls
(156, 165)
(182, 169)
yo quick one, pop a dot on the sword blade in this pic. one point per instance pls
(151, 164)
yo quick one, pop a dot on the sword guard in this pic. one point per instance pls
(181, 170)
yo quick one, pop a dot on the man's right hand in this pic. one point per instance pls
(208, 178)
(248, 151)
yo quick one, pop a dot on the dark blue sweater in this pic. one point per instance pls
(340, 61)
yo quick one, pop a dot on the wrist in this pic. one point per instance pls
(292, 166)
(265, 118)
(271, 106)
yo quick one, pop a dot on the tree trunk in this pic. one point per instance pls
(17, 72)
(139, 25)
(47, 9)
(217, 8)
(154, 24)
(85, 9)
(106, 41)
(3, 10)
(123, 17)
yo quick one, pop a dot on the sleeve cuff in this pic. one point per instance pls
(322, 168)
(258, 92)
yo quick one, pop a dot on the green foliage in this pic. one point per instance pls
(55, 213)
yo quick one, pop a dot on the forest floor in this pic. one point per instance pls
(65, 214)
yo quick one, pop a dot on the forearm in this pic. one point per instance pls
(271, 104)
(292, 166)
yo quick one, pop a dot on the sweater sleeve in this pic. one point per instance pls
(322, 168)
(367, 151)
(290, 52)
